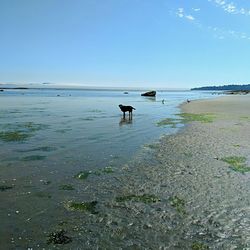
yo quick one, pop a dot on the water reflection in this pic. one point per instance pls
(126, 121)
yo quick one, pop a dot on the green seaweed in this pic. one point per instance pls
(5, 188)
(152, 146)
(14, 136)
(236, 145)
(67, 187)
(107, 170)
(246, 118)
(20, 131)
(32, 127)
(145, 198)
(178, 204)
(58, 237)
(190, 117)
(82, 175)
(43, 195)
(237, 163)
(168, 122)
(43, 149)
(82, 206)
(199, 246)
(33, 158)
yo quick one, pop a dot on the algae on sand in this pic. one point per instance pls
(11, 136)
(237, 163)
(67, 187)
(33, 158)
(58, 237)
(4, 188)
(145, 198)
(82, 206)
(178, 203)
(19, 132)
(203, 117)
(186, 118)
(82, 175)
(168, 122)
(199, 246)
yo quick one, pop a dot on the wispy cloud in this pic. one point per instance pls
(225, 34)
(216, 32)
(182, 14)
(230, 7)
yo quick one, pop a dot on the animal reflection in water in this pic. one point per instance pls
(125, 109)
(125, 121)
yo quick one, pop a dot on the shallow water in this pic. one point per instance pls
(57, 134)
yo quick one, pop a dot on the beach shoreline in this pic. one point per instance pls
(200, 175)
(181, 192)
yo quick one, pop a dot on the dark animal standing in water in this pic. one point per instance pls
(125, 109)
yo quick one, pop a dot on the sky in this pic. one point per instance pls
(125, 43)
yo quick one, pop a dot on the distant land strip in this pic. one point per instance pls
(225, 87)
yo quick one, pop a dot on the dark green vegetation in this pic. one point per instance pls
(145, 198)
(43, 149)
(178, 203)
(82, 206)
(168, 122)
(204, 118)
(199, 246)
(10, 136)
(225, 87)
(5, 188)
(58, 237)
(82, 175)
(19, 132)
(187, 118)
(43, 195)
(237, 163)
(33, 158)
(106, 170)
(67, 187)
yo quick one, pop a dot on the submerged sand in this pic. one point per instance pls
(177, 194)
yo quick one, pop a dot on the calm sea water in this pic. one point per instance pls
(63, 132)
(84, 127)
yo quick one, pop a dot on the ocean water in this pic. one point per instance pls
(83, 127)
(49, 136)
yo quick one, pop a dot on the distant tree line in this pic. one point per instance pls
(225, 87)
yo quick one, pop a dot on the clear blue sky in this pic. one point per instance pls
(142, 43)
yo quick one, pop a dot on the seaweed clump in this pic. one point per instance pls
(168, 122)
(67, 187)
(19, 132)
(237, 163)
(82, 175)
(199, 246)
(178, 204)
(33, 158)
(59, 237)
(145, 198)
(85, 174)
(11, 136)
(4, 188)
(82, 206)
(204, 118)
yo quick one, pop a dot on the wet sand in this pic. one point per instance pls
(204, 203)
(176, 194)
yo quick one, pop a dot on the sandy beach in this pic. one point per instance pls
(190, 190)
(203, 197)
